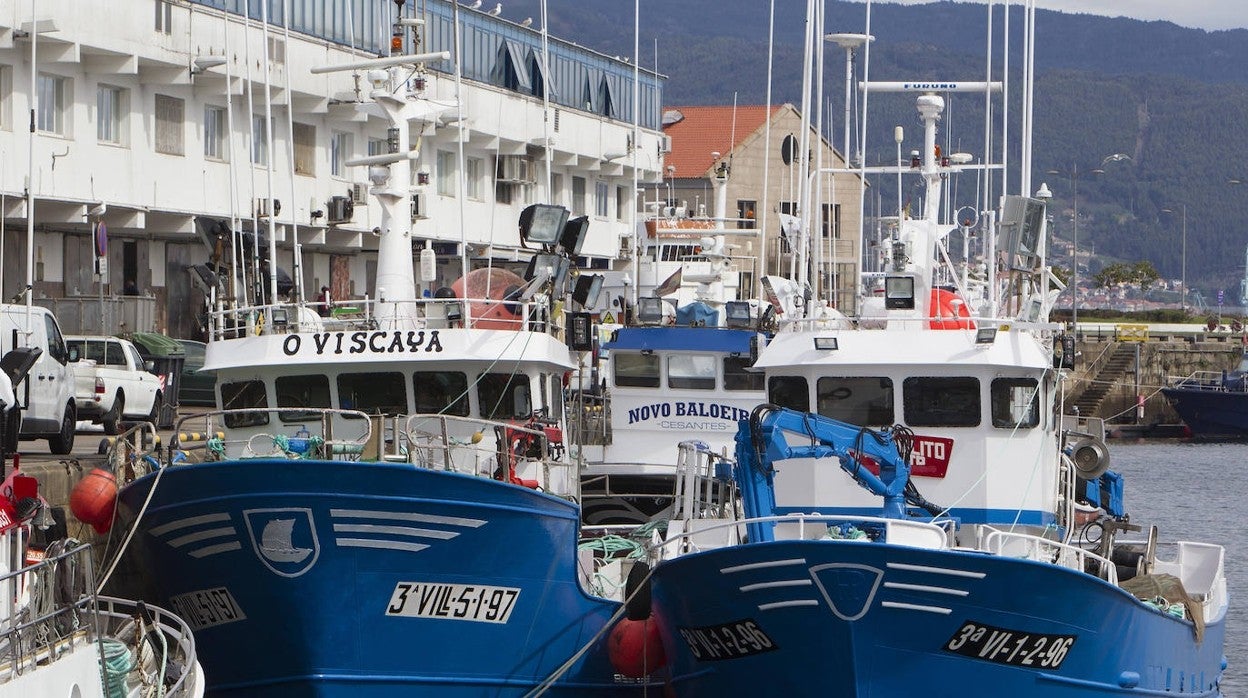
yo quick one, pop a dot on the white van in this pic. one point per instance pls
(47, 393)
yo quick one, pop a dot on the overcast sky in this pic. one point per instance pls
(1204, 14)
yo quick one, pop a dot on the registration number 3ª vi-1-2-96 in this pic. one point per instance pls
(1013, 647)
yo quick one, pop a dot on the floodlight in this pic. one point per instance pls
(573, 236)
(587, 289)
(899, 292)
(650, 311)
(737, 314)
(826, 343)
(986, 335)
(542, 223)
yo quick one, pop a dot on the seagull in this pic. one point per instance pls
(475, 5)
(527, 21)
(497, 9)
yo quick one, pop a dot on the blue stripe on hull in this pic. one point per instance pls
(312, 553)
(859, 620)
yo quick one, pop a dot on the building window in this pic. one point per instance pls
(505, 192)
(832, 221)
(747, 211)
(578, 195)
(339, 153)
(51, 116)
(164, 17)
(215, 134)
(259, 142)
(602, 199)
(378, 146)
(621, 203)
(446, 173)
(472, 174)
(110, 114)
(305, 149)
(170, 114)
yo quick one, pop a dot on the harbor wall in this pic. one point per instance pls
(1162, 359)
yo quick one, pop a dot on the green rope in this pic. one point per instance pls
(216, 446)
(117, 662)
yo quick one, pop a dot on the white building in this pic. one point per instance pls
(156, 108)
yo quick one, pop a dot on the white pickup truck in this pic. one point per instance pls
(112, 382)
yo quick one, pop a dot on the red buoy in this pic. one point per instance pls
(94, 500)
(635, 648)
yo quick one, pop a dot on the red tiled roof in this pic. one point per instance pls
(705, 130)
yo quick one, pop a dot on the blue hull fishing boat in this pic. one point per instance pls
(1002, 561)
(384, 503)
(388, 578)
(1213, 405)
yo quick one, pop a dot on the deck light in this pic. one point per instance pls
(826, 343)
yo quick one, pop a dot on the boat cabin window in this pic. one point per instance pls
(1015, 403)
(310, 391)
(373, 393)
(691, 371)
(736, 377)
(504, 396)
(676, 253)
(244, 395)
(635, 370)
(866, 401)
(789, 391)
(440, 392)
(941, 402)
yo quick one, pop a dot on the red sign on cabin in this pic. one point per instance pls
(930, 457)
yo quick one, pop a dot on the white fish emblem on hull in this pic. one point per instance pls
(286, 542)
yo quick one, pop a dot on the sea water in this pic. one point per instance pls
(1197, 492)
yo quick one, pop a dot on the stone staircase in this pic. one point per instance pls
(1119, 362)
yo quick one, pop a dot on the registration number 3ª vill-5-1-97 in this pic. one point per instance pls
(484, 604)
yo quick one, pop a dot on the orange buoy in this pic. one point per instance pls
(635, 649)
(948, 311)
(94, 500)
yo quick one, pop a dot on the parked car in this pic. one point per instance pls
(198, 387)
(49, 411)
(112, 382)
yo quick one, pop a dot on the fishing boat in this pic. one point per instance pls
(58, 636)
(383, 503)
(1002, 560)
(1212, 404)
(677, 364)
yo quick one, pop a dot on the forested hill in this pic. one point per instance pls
(1173, 98)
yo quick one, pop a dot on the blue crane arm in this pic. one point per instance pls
(762, 441)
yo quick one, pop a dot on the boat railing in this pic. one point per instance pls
(379, 314)
(1031, 547)
(524, 452)
(252, 432)
(47, 607)
(874, 322)
(1202, 380)
(128, 619)
(701, 534)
